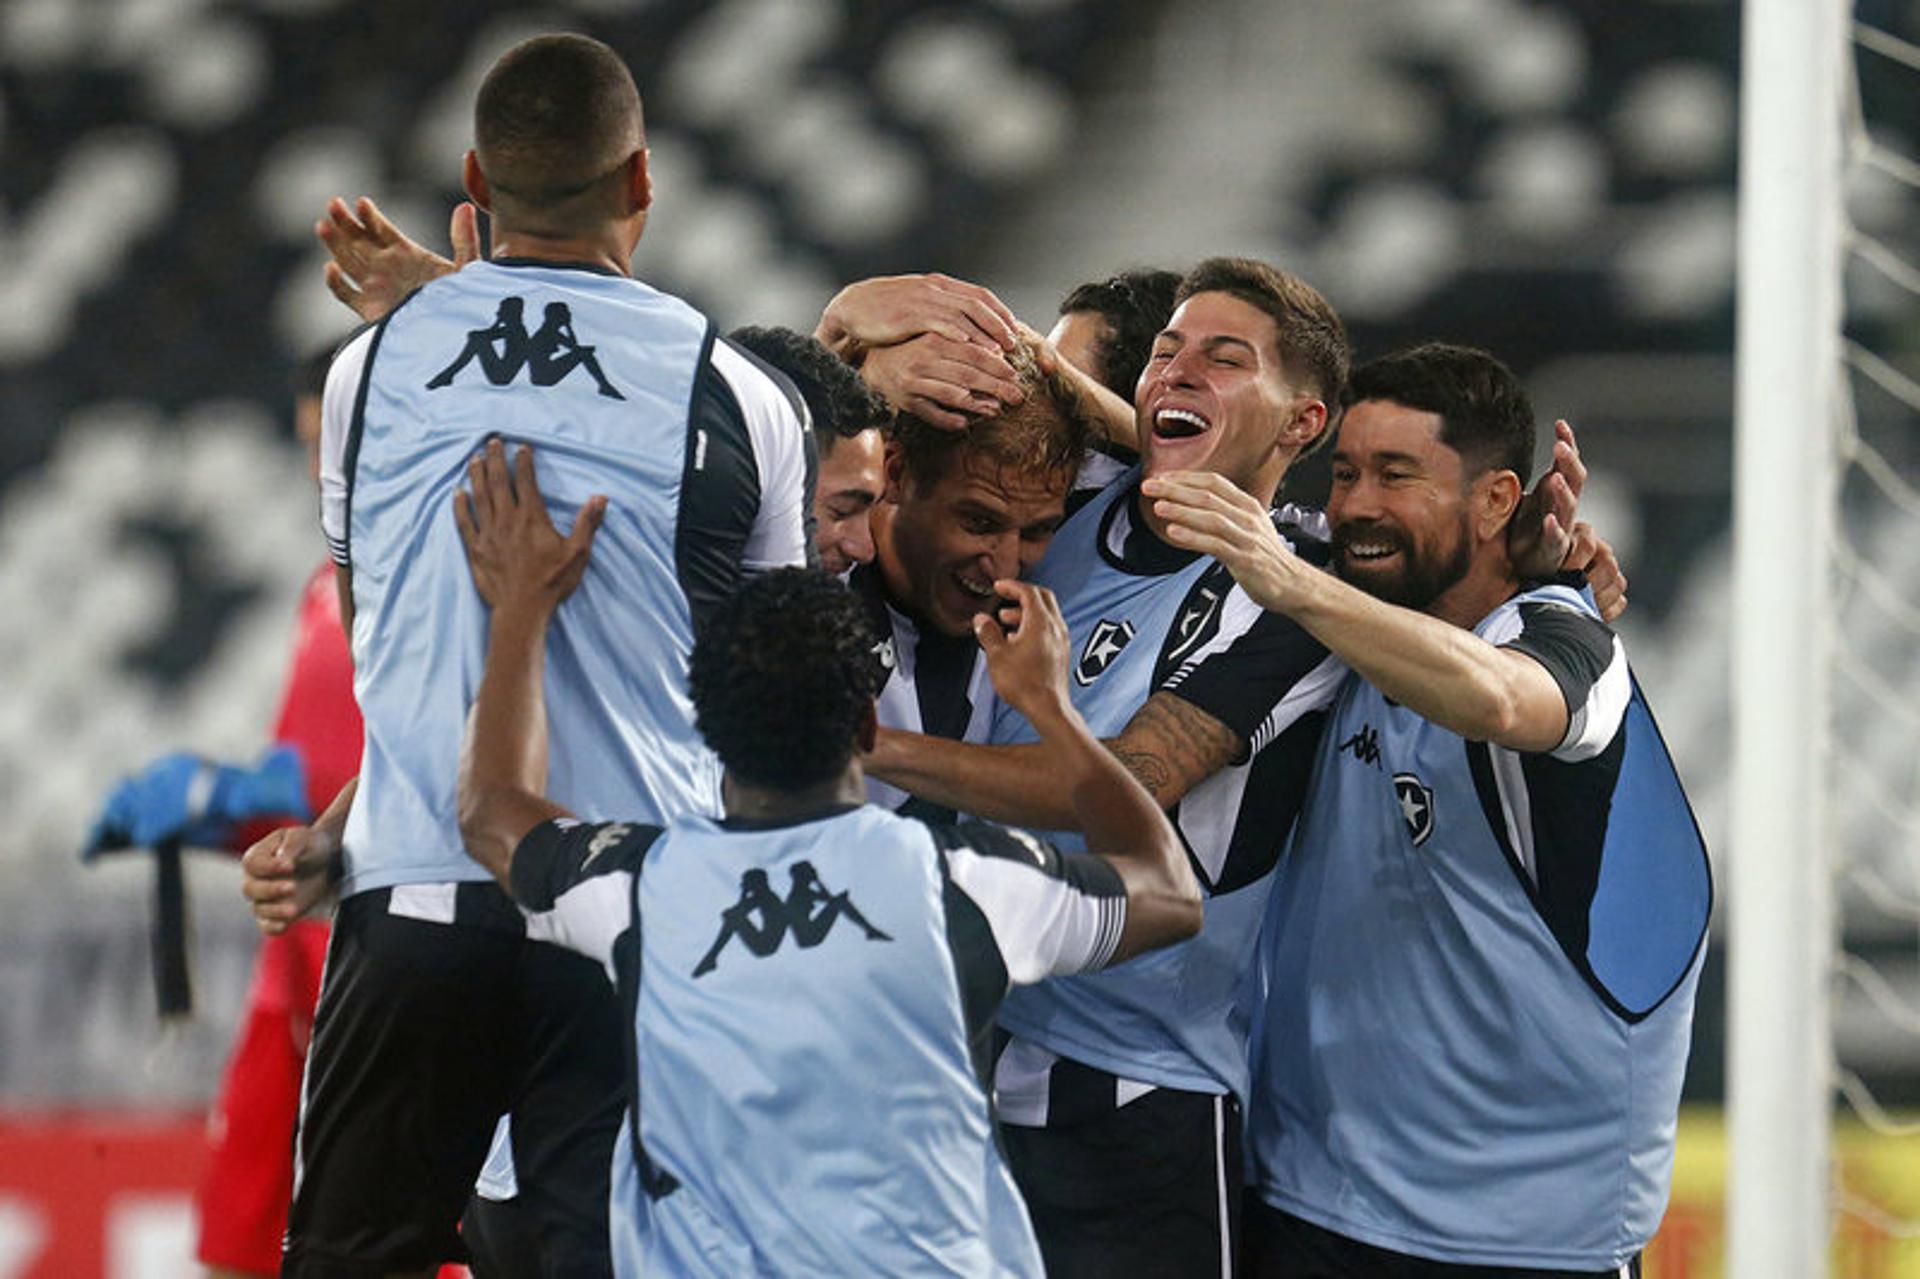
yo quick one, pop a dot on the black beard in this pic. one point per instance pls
(1421, 579)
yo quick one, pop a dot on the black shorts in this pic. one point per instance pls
(1152, 1189)
(425, 1034)
(1282, 1246)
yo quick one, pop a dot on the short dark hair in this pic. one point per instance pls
(1313, 341)
(839, 400)
(1044, 434)
(782, 674)
(1485, 415)
(1135, 306)
(555, 116)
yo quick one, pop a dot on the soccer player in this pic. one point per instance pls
(964, 509)
(1118, 1089)
(1481, 958)
(439, 1011)
(849, 421)
(809, 959)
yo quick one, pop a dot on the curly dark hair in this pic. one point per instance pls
(1485, 415)
(838, 398)
(781, 675)
(1135, 306)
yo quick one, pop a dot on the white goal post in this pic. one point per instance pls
(1779, 872)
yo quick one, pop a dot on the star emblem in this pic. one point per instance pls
(1108, 638)
(1416, 806)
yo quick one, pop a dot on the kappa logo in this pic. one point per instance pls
(1416, 806)
(603, 839)
(1364, 745)
(884, 653)
(1103, 646)
(505, 350)
(808, 913)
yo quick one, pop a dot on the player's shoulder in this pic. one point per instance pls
(749, 374)
(1552, 608)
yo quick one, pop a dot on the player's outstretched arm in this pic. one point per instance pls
(1444, 673)
(1169, 746)
(1027, 659)
(523, 568)
(375, 265)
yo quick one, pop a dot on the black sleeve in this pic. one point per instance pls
(1576, 649)
(1259, 663)
(719, 493)
(560, 855)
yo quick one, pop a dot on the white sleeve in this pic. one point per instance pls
(782, 440)
(1051, 913)
(337, 403)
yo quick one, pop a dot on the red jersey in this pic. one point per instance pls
(318, 713)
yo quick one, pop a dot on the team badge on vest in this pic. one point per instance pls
(1103, 646)
(1416, 806)
(547, 356)
(808, 912)
(1199, 622)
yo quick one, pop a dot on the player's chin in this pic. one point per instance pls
(1381, 576)
(834, 562)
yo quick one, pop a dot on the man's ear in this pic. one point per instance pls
(1304, 428)
(475, 181)
(896, 470)
(1496, 495)
(639, 182)
(868, 731)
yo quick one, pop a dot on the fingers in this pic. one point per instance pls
(345, 290)
(982, 309)
(525, 487)
(500, 498)
(587, 524)
(1035, 610)
(463, 517)
(1567, 465)
(1204, 491)
(463, 229)
(933, 413)
(379, 230)
(478, 493)
(986, 630)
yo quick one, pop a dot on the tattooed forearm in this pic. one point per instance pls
(1171, 746)
(1149, 770)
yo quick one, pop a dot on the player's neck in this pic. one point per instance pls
(1488, 584)
(770, 804)
(602, 252)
